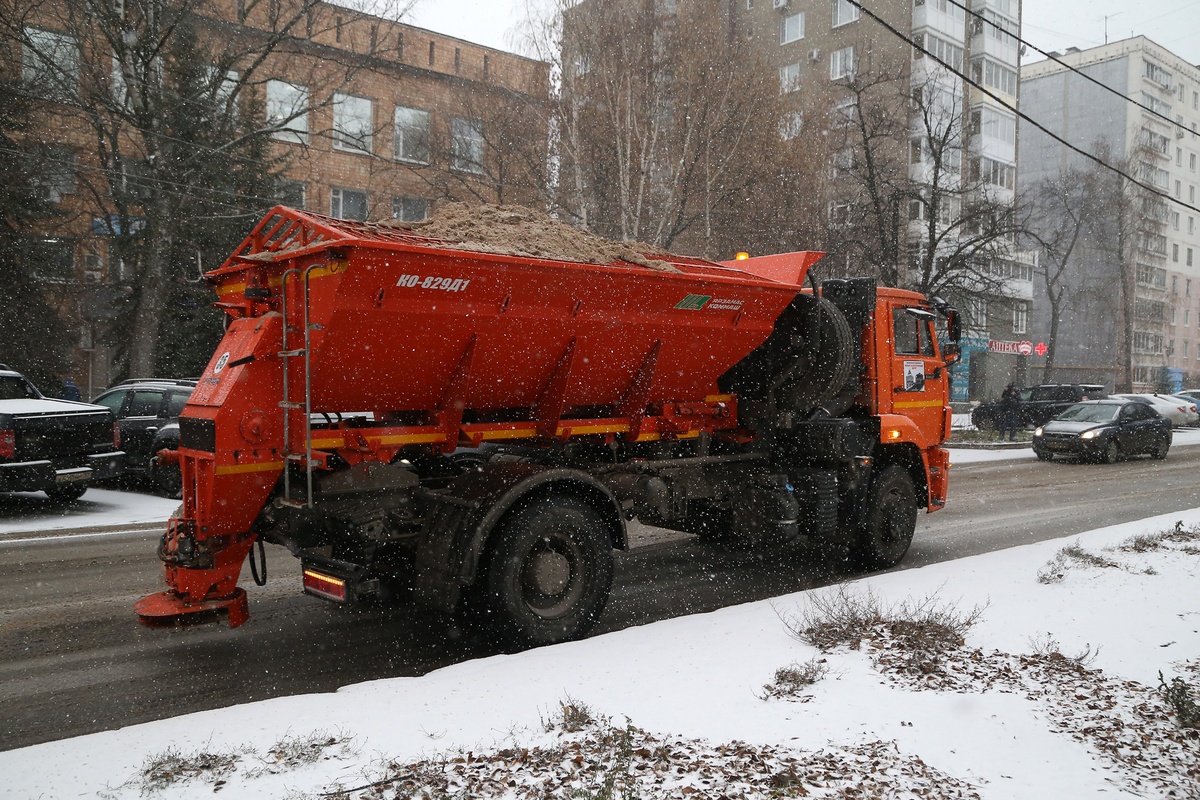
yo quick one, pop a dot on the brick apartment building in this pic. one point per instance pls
(374, 119)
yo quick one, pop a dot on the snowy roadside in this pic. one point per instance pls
(1051, 694)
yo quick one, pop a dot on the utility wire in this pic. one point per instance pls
(1077, 71)
(1022, 115)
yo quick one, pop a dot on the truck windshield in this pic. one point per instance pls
(1088, 413)
(12, 388)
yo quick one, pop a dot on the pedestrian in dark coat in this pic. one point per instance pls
(1008, 413)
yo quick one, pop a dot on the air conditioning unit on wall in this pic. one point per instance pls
(781, 3)
(814, 54)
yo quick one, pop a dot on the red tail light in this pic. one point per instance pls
(8, 444)
(116, 437)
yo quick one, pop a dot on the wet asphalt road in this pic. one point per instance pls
(74, 661)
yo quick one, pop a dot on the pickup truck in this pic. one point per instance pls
(54, 446)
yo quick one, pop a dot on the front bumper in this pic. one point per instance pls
(1075, 446)
(37, 476)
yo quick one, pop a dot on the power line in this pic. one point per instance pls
(1077, 71)
(1022, 115)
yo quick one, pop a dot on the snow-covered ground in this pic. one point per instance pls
(1053, 694)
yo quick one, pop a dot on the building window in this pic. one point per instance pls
(839, 213)
(466, 145)
(410, 209)
(347, 203)
(999, 126)
(994, 173)
(791, 28)
(351, 123)
(53, 259)
(1020, 317)
(844, 12)
(845, 112)
(790, 125)
(1155, 73)
(290, 193)
(1174, 252)
(789, 78)
(1189, 259)
(949, 53)
(916, 150)
(56, 174)
(50, 64)
(287, 110)
(841, 63)
(412, 135)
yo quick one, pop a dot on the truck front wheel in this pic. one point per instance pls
(891, 519)
(548, 572)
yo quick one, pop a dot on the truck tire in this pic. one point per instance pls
(887, 530)
(827, 367)
(67, 493)
(548, 572)
(166, 479)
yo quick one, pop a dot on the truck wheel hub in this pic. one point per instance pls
(549, 572)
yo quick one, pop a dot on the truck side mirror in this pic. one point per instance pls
(951, 353)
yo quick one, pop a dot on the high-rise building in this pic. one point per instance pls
(1138, 106)
(960, 148)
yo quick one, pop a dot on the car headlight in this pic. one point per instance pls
(1089, 434)
(1037, 432)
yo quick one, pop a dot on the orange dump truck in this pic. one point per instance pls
(473, 431)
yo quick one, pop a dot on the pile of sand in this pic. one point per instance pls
(518, 231)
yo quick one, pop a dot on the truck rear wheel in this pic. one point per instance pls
(891, 519)
(548, 572)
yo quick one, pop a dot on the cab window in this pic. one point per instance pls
(908, 334)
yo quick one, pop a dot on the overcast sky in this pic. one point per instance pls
(1048, 24)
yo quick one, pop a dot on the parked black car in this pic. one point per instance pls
(1037, 405)
(146, 411)
(55, 446)
(1104, 430)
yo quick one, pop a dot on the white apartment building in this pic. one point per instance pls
(1157, 141)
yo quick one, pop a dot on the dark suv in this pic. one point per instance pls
(146, 411)
(1037, 405)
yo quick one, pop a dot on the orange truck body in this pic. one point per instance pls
(366, 360)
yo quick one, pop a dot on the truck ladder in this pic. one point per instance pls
(287, 404)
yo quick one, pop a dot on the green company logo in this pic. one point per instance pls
(694, 302)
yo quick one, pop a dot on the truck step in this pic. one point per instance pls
(290, 503)
(292, 353)
(288, 404)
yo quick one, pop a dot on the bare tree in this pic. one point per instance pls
(658, 122)
(123, 71)
(920, 212)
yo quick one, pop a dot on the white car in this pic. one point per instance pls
(1177, 409)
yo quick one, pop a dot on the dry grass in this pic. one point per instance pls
(791, 681)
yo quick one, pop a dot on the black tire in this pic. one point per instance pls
(1111, 453)
(1160, 449)
(68, 492)
(1043, 455)
(548, 572)
(825, 366)
(890, 521)
(984, 421)
(166, 479)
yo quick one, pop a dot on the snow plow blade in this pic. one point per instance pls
(168, 609)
